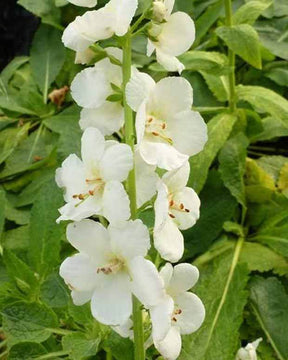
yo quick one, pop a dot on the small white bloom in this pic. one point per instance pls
(180, 312)
(249, 352)
(109, 268)
(90, 89)
(176, 207)
(125, 330)
(86, 3)
(173, 37)
(95, 25)
(84, 57)
(168, 131)
(93, 185)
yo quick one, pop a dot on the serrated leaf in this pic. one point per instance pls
(47, 57)
(270, 305)
(16, 239)
(219, 129)
(45, 234)
(79, 346)
(24, 321)
(219, 85)
(221, 287)
(54, 291)
(244, 41)
(249, 12)
(232, 166)
(265, 101)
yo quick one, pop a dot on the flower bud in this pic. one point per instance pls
(159, 11)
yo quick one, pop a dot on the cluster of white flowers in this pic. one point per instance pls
(111, 266)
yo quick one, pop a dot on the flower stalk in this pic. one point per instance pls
(139, 349)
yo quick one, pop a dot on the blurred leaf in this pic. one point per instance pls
(16, 239)
(10, 69)
(221, 287)
(26, 351)
(54, 292)
(277, 9)
(24, 321)
(270, 305)
(47, 57)
(272, 128)
(244, 41)
(79, 346)
(232, 166)
(249, 12)
(278, 72)
(2, 213)
(265, 101)
(219, 129)
(121, 348)
(219, 85)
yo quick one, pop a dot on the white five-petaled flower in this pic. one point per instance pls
(95, 25)
(86, 3)
(180, 312)
(168, 131)
(93, 185)
(90, 89)
(172, 37)
(176, 207)
(249, 352)
(110, 267)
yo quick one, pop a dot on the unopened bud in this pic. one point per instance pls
(159, 11)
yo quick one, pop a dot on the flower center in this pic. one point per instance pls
(113, 267)
(157, 128)
(176, 313)
(173, 205)
(95, 186)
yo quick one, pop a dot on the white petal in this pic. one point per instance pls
(147, 285)
(130, 239)
(87, 3)
(170, 96)
(124, 11)
(176, 180)
(84, 57)
(163, 155)
(71, 177)
(116, 52)
(90, 88)
(91, 238)
(108, 118)
(150, 47)
(116, 162)
(79, 272)
(170, 347)
(169, 242)
(184, 219)
(161, 315)
(169, 62)
(92, 147)
(177, 35)
(192, 315)
(138, 88)
(166, 273)
(146, 180)
(116, 204)
(111, 303)
(125, 330)
(184, 278)
(113, 73)
(140, 122)
(81, 297)
(189, 132)
(86, 29)
(161, 205)
(169, 4)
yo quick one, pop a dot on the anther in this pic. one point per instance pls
(172, 216)
(163, 126)
(155, 133)
(171, 203)
(181, 206)
(187, 210)
(91, 192)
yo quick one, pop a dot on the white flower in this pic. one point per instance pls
(249, 352)
(180, 312)
(93, 185)
(125, 330)
(90, 89)
(172, 37)
(168, 131)
(95, 25)
(87, 3)
(176, 207)
(84, 57)
(110, 267)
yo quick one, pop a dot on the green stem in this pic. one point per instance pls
(3, 344)
(109, 355)
(139, 350)
(60, 331)
(52, 355)
(231, 58)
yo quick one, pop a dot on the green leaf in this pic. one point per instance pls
(270, 305)
(26, 351)
(278, 72)
(54, 292)
(24, 321)
(81, 314)
(2, 214)
(232, 166)
(221, 287)
(219, 85)
(265, 101)
(217, 206)
(79, 346)
(16, 239)
(249, 12)
(45, 234)
(121, 348)
(244, 41)
(47, 57)
(272, 128)
(219, 129)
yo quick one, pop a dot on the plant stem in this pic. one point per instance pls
(109, 355)
(52, 355)
(139, 350)
(231, 58)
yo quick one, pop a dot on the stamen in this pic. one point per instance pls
(172, 216)
(181, 206)
(171, 203)
(174, 319)
(187, 210)
(155, 133)
(113, 267)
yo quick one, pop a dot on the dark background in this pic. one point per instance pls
(17, 27)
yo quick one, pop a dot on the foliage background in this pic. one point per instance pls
(240, 242)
